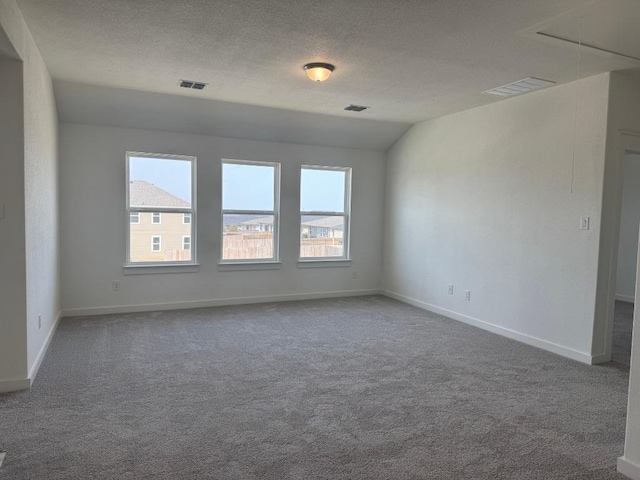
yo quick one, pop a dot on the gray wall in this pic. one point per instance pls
(32, 207)
(481, 199)
(93, 222)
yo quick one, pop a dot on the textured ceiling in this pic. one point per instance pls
(118, 107)
(409, 60)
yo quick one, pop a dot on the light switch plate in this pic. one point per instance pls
(584, 223)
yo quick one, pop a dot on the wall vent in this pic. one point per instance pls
(192, 84)
(356, 108)
(525, 85)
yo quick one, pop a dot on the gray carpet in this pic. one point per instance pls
(358, 388)
(622, 330)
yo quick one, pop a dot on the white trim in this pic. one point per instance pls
(183, 244)
(156, 268)
(625, 298)
(327, 262)
(153, 218)
(43, 350)
(268, 213)
(346, 213)
(14, 385)
(154, 307)
(505, 332)
(137, 214)
(629, 468)
(231, 266)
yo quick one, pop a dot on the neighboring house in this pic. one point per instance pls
(158, 236)
(322, 227)
(311, 226)
(260, 224)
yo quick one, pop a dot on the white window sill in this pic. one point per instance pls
(143, 269)
(245, 266)
(328, 263)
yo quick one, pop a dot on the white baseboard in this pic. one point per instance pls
(154, 307)
(625, 298)
(43, 350)
(505, 332)
(628, 468)
(14, 385)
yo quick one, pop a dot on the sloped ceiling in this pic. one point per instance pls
(409, 60)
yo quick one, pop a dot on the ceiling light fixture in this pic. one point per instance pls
(319, 72)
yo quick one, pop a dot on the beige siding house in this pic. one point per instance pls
(158, 236)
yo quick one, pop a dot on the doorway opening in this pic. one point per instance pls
(625, 281)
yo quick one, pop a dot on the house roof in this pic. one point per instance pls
(337, 223)
(146, 194)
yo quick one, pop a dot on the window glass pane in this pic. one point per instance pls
(143, 246)
(186, 218)
(157, 182)
(247, 187)
(322, 190)
(321, 236)
(247, 237)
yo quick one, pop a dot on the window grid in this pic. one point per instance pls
(273, 228)
(323, 232)
(154, 210)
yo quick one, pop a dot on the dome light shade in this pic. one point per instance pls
(319, 72)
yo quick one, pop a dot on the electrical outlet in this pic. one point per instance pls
(115, 286)
(354, 275)
(467, 295)
(39, 322)
(450, 289)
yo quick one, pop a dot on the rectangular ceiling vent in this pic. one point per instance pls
(193, 85)
(525, 85)
(356, 108)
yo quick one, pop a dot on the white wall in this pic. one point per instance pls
(13, 331)
(481, 199)
(34, 204)
(93, 221)
(629, 224)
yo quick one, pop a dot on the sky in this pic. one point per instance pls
(244, 187)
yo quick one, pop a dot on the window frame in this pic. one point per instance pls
(153, 244)
(184, 216)
(275, 212)
(153, 218)
(137, 214)
(346, 234)
(184, 237)
(152, 209)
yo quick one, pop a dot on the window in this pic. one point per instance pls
(160, 194)
(250, 209)
(186, 218)
(186, 242)
(325, 204)
(156, 243)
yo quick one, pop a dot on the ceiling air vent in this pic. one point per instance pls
(525, 85)
(355, 108)
(193, 85)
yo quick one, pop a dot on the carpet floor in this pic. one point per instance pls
(357, 388)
